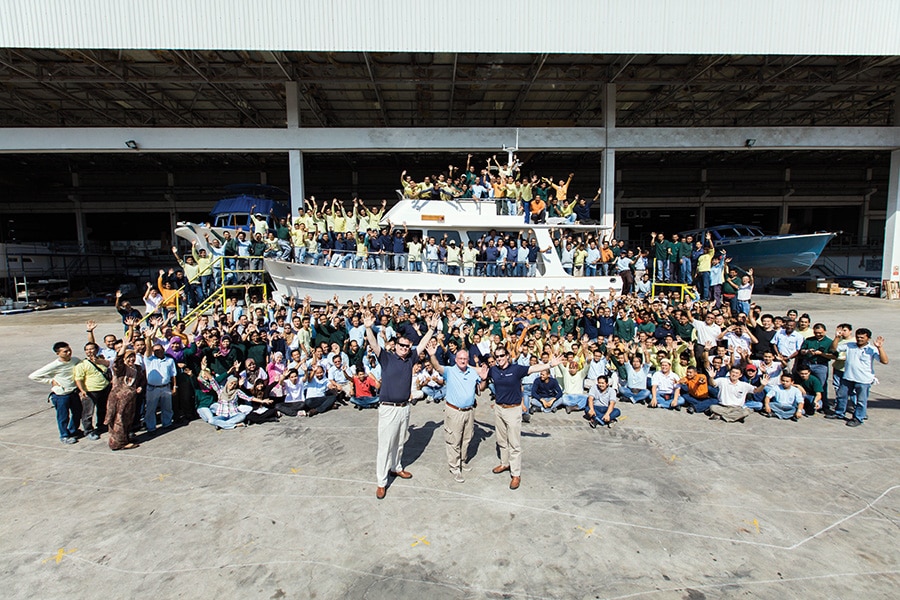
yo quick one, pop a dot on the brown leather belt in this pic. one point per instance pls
(509, 405)
(458, 408)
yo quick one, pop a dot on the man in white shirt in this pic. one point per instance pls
(664, 390)
(63, 392)
(732, 394)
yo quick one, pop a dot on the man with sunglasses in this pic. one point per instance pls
(393, 410)
(507, 380)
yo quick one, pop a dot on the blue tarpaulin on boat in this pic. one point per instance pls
(243, 203)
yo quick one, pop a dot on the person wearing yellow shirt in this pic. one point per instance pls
(375, 216)
(579, 258)
(339, 217)
(562, 189)
(512, 196)
(298, 241)
(704, 267)
(92, 380)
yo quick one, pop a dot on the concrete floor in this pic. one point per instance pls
(664, 505)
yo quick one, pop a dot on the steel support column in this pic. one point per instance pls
(890, 267)
(608, 183)
(295, 164)
(292, 95)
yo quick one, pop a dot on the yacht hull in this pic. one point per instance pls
(322, 284)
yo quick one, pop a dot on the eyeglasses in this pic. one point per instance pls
(500, 355)
(404, 345)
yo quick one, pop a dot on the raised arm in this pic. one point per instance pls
(432, 355)
(368, 323)
(432, 326)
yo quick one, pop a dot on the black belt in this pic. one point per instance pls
(165, 385)
(400, 404)
(458, 408)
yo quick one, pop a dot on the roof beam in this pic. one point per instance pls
(457, 139)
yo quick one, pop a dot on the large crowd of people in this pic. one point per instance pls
(712, 351)
(255, 362)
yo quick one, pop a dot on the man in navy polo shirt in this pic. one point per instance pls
(507, 379)
(393, 410)
(459, 407)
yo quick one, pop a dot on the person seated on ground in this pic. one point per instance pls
(634, 386)
(811, 388)
(572, 378)
(732, 395)
(365, 389)
(251, 374)
(319, 397)
(601, 405)
(784, 400)
(546, 394)
(695, 391)
(294, 403)
(340, 379)
(597, 366)
(664, 391)
(226, 412)
(274, 371)
(262, 407)
(753, 376)
(430, 383)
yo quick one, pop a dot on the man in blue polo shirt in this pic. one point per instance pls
(859, 372)
(507, 379)
(393, 410)
(459, 407)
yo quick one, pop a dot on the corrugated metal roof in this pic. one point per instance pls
(828, 27)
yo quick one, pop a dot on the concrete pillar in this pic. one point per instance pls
(608, 183)
(295, 157)
(890, 268)
(295, 165)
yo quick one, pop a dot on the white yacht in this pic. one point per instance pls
(462, 221)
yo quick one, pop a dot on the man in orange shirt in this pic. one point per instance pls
(538, 210)
(696, 391)
(606, 259)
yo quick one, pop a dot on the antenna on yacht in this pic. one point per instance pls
(511, 151)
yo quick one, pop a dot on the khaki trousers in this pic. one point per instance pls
(508, 422)
(393, 429)
(459, 426)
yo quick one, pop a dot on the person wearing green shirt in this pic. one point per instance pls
(662, 250)
(625, 327)
(685, 251)
(816, 354)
